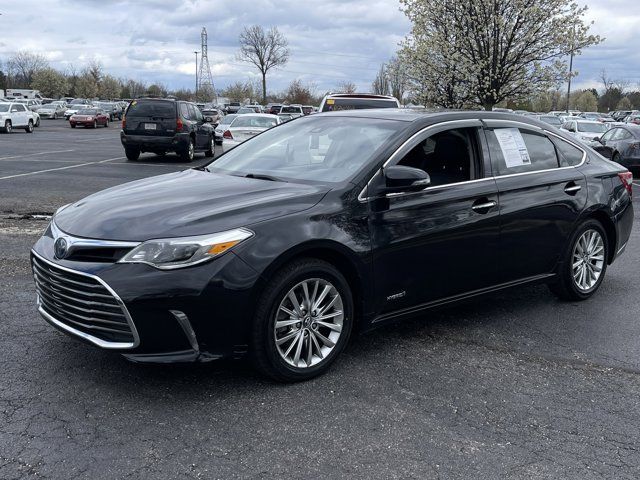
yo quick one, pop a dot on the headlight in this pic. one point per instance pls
(171, 253)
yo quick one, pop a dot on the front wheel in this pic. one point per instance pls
(8, 128)
(95, 124)
(303, 321)
(584, 263)
(106, 124)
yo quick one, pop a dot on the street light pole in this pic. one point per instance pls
(571, 68)
(196, 74)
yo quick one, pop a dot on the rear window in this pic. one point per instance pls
(335, 104)
(290, 110)
(249, 121)
(152, 109)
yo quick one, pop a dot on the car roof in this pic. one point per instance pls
(265, 115)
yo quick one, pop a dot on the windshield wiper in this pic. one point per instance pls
(260, 176)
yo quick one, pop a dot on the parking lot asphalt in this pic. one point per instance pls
(516, 385)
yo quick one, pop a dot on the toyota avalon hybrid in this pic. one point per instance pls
(282, 247)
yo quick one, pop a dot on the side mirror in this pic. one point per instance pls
(399, 178)
(598, 139)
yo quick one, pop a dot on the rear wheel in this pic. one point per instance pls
(38, 122)
(303, 321)
(29, 127)
(8, 128)
(132, 153)
(106, 124)
(584, 263)
(95, 124)
(188, 152)
(55, 116)
(211, 149)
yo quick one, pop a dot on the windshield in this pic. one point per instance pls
(592, 127)
(87, 111)
(322, 149)
(335, 104)
(152, 109)
(48, 107)
(252, 121)
(4, 107)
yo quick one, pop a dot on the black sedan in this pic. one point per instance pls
(622, 145)
(285, 245)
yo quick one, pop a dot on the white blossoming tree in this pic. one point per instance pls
(481, 52)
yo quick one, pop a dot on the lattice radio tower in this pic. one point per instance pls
(205, 79)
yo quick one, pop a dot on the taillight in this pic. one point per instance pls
(179, 124)
(124, 123)
(227, 135)
(627, 180)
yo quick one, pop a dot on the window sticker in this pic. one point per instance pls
(513, 147)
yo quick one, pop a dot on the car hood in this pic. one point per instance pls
(191, 202)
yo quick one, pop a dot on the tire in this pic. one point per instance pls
(580, 274)
(95, 124)
(211, 150)
(616, 158)
(187, 154)
(55, 116)
(106, 124)
(8, 127)
(73, 125)
(296, 337)
(29, 127)
(38, 122)
(132, 154)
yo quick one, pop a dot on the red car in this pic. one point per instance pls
(89, 117)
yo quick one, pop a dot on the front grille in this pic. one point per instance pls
(82, 303)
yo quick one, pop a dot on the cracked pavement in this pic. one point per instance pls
(516, 385)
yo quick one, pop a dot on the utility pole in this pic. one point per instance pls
(571, 67)
(196, 94)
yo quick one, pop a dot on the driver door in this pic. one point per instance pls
(432, 245)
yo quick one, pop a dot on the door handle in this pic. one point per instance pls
(572, 188)
(485, 205)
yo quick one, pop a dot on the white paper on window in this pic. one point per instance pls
(513, 148)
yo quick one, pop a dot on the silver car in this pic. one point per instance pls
(222, 126)
(246, 126)
(51, 110)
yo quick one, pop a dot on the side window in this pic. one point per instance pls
(568, 155)
(609, 135)
(198, 114)
(184, 111)
(622, 135)
(448, 157)
(520, 151)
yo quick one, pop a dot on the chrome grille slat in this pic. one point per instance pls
(82, 304)
(66, 305)
(89, 303)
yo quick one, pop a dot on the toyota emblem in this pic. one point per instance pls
(60, 248)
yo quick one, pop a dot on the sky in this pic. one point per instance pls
(331, 41)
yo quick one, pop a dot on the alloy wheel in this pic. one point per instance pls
(190, 151)
(588, 260)
(308, 322)
(7, 126)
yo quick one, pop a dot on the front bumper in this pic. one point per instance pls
(198, 313)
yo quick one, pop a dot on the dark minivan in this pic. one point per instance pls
(165, 125)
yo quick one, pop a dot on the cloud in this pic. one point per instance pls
(330, 40)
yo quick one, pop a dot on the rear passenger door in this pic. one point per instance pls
(541, 195)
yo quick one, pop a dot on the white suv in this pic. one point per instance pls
(15, 115)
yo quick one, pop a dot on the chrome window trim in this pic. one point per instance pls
(96, 341)
(88, 242)
(472, 122)
(362, 198)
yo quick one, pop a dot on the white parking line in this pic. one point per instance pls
(60, 168)
(94, 139)
(34, 154)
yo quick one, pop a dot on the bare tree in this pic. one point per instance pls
(346, 86)
(264, 49)
(380, 85)
(501, 49)
(24, 65)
